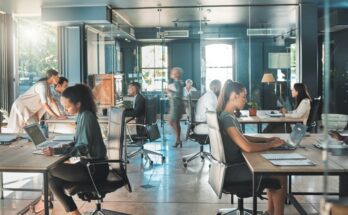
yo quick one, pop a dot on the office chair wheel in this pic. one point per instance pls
(202, 157)
(151, 163)
(163, 159)
(185, 165)
(184, 160)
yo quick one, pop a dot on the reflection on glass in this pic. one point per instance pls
(37, 50)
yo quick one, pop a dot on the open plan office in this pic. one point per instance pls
(173, 107)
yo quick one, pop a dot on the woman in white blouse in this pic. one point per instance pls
(33, 104)
(188, 88)
(302, 108)
(302, 103)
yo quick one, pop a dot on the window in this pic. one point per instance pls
(36, 50)
(154, 67)
(219, 62)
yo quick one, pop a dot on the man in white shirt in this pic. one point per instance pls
(207, 102)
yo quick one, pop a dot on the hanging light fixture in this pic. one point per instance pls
(159, 10)
(200, 20)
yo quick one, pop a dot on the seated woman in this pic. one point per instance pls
(88, 145)
(231, 98)
(302, 108)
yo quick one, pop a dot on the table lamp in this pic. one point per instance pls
(267, 78)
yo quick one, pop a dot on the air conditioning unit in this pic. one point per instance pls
(173, 34)
(265, 32)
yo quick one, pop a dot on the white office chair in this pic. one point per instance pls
(218, 169)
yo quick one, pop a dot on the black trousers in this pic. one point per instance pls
(72, 173)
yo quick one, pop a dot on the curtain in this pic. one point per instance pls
(4, 78)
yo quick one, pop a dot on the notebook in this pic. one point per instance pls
(287, 159)
(303, 162)
(283, 156)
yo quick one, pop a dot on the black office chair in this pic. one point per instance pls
(148, 131)
(117, 178)
(219, 167)
(202, 139)
(312, 122)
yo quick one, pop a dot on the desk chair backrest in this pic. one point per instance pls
(313, 114)
(115, 136)
(218, 164)
(150, 110)
(190, 109)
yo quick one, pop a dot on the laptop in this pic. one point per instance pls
(6, 139)
(38, 138)
(295, 138)
(195, 95)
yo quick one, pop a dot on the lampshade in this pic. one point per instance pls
(279, 60)
(267, 78)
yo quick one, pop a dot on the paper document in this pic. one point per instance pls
(303, 162)
(283, 156)
(65, 137)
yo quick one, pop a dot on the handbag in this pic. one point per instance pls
(152, 132)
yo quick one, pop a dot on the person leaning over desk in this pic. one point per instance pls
(232, 97)
(88, 145)
(303, 106)
(33, 104)
(58, 90)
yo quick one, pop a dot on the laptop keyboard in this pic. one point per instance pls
(284, 147)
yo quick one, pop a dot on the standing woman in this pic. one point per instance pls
(175, 91)
(302, 108)
(88, 145)
(33, 104)
(232, 97)
(188, 88)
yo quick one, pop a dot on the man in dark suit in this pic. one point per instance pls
(137, 112)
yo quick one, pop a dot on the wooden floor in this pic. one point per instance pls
(167, 188)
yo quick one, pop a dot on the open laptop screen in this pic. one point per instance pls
(35, 133)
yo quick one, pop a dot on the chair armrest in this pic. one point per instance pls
(104, 162)
(130, 119)
(136, 124)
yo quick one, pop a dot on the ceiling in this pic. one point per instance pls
(143, 13)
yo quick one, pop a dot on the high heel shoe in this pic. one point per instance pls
(38, 208)
(177, 144)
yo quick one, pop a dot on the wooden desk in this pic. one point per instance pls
(101, 120)
(18, 157)
(260, 166)
(262, 117)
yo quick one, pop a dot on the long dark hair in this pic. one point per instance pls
(49, 74)
(302, 93)
(229, 87)
(83, 94)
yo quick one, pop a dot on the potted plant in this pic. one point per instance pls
(253, 106)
